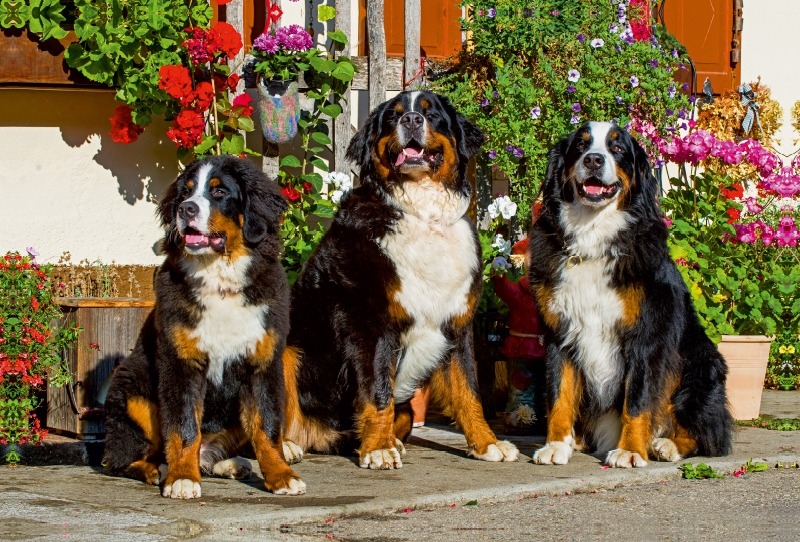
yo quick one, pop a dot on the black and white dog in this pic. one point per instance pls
(630, 368)
(386, 302)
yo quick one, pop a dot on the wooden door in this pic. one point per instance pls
(440, 32)
(711, 31)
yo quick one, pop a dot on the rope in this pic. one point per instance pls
(421, 71)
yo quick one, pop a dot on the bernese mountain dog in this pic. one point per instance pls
(630, 370)
(386, 302)
(206, 377)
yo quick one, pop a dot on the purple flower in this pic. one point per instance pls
(509, 148)
(31, 252)
(753, 206)
(619, 100)
(581, 38)
(294, 38)
(575, 119)
(492, 154)
(576, 107)
(618, 48)
(555, 13)
(685, 87)
(682, 66)
(654, 63)
(634, 81)
(485, 102)
(692, 99)
(597, 42)
(496, 94)
(669, 112)
(672, 90)
(536, 112)
(571, 89)
(613, 28)
(518, 152)
(682, 114)
(573, 75)
(787, 233)
(674, 53)
(492, 13)
(266, 43)
(659, 163)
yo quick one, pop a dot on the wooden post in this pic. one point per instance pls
(377, 53)
(234, 13)
(270, 154)
(341, 129)
(413, 26)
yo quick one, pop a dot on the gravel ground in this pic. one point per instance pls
(757, 506)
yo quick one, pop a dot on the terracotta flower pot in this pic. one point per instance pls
(419, 404)
(747, 357)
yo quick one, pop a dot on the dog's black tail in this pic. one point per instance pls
(700, 402)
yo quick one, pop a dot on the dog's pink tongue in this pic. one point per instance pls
(196, 239)
(400, 159)
(408, 151)
(593, 188)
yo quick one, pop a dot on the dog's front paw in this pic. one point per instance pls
(235, 468)
(182, 489)
(292, 452)
(382, 459)
(294, 486)
(553, 453)
(502, 450)
(624, 459)
(665, 450)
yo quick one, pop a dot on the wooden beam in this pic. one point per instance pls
(413, 30)
(393, 74)
(341, 128)
(270, 154)
(377, 53)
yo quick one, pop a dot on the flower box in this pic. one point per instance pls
(110, 329)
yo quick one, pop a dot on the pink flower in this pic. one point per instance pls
(753, 206)
(682, 262)
(745, 233)
(667, 221)
(787, 234)
(785, 183)
(699, 144)
(729, 151)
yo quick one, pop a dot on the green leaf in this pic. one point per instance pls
(338, 36)
(319, 163)
(344, 72)
(472, 503)
(234, 144)
(323, 65)
(206, 144)
(290, 161)
(332, 110)
(325, 13)
(321, 138)
(324, 209)
(246, 124)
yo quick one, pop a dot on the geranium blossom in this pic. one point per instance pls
(503, 246)
(294, 38)
(502, 206)
(243, 100)
(187, 129)
(786, 233)
(123, 129)
(785, 183)
(176, 80)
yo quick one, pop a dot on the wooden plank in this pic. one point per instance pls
(84, 302)
(413, 33)
(377, 53)
(342, 126)
(393, 74)
(24, 60)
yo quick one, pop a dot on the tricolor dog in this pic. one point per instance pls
(386, 302)
(206, 376)
(631, 372)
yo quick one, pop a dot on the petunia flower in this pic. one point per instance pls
(492, 154)
(491, 13)
(674, 53)
(573, 75)
(571, 89)
(581, 38)
(654, 63)
(634, 81)
(536, 112)
(619, 100)
(485, 102)
(597, 42)
(575, 119)
(613, 28)
(576, 107)
(518, 152)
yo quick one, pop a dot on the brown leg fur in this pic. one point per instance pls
(636, 432)
(564, 412)
(402, 424)
(375, 429)
(278, 475)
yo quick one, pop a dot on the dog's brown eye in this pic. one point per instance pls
(217, 192)
(617, 148)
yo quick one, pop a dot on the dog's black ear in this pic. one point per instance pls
(263, 202)
(644, 181)
(555, 166)
(360, 146)
(471, 138)
(167, 205)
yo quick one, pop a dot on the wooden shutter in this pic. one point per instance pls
(706, 28)
(440, 33)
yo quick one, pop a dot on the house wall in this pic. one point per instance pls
(769, 40)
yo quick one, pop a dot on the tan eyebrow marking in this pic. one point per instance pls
(214, 182)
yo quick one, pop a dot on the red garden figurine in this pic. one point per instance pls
(525, 349)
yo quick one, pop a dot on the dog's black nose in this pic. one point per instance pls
(594, 161)
(188, 209)
(412, 120)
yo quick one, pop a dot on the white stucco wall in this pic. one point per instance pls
(769, 42)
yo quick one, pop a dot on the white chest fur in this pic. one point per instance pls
(433, 250)
(229, 328)
(585, 300)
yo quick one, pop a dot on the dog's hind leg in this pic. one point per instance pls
(218, 454)
(133, 441)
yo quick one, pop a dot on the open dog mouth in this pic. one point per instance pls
(414, 154)
(196, 240)
(594, 189)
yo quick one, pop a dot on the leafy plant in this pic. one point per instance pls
(775, 424)
(30, 348)
(699, 472)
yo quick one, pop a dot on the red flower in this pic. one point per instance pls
(734, 215)
(203, 96)
(291, 193)
(123, 129)
(242, 101)
(308, 187)
(227, 39)
(187, 129)
(734, 192)
(233, 81)
(176, 80)
(94, 346)
(35, 303)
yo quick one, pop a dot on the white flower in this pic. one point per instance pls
(336, 196)
(573, 75)
(598, 42)
(342, 182)
(506, 207)
(502, 246)
(493, 211)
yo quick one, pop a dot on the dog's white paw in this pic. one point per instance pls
(292, 452)
(665, 450)
(624, 459)
(382, 459)
(400, 447)
(553, 453)
(296, 487)
(235, 468)
(502, 450)
(182, 489)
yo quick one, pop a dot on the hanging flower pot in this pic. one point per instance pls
(279, 104)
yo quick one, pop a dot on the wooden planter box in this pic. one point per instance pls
(114, 325)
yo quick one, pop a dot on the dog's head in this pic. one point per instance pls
(220, 204)
(598, 165)
(414, 136)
